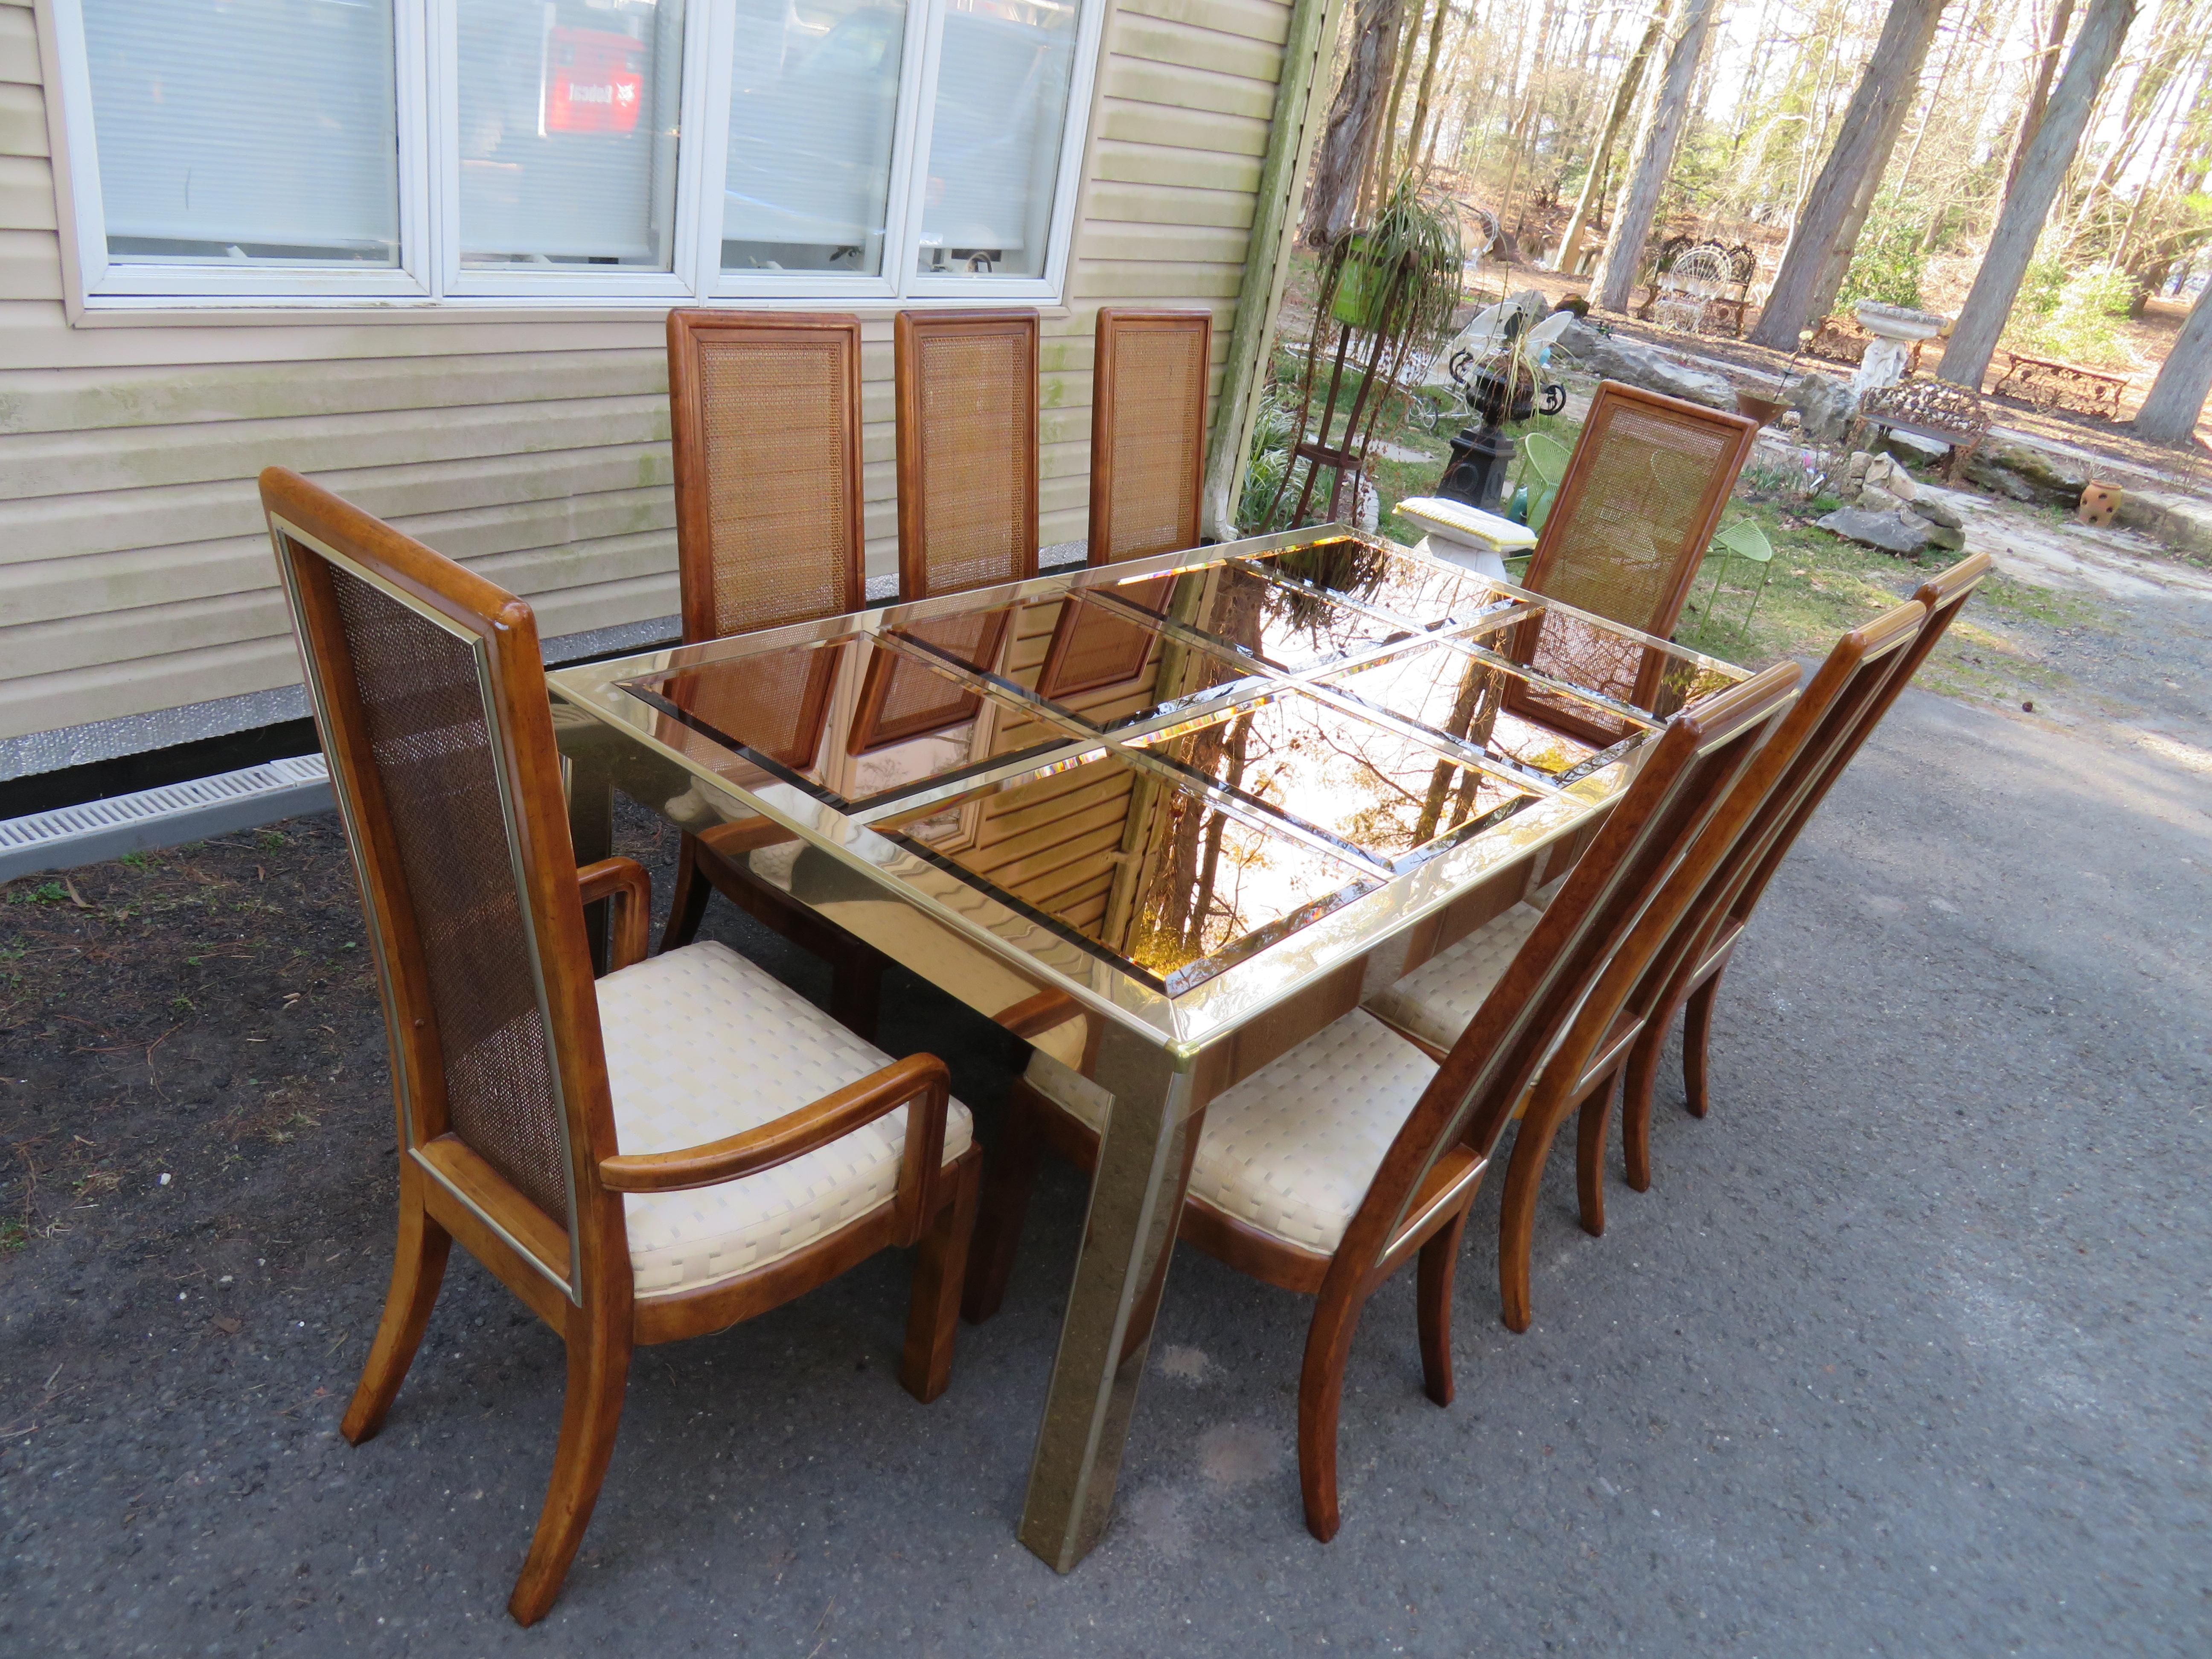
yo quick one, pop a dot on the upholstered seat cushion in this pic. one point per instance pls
(702, 1044)
(1435, 1002)
(1293, 1148)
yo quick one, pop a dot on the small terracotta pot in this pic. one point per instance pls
(2099, 503)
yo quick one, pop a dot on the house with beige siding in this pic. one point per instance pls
(423, 251)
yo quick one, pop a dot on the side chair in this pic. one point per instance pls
(1695, 960)
(1147, 431)
(764, 412)
(967, 386)
(679, 1146)
(1622, 539)
(1432, 1004)
(1329, 1167)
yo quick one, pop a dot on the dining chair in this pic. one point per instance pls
(1699, 956)
(679, 1146)
(1641, 498)
(764, 412)
(1329, 1167)
(967, 385)
(1742, 540)
(1147, 431)
(1543, 463)
(1432, 1004)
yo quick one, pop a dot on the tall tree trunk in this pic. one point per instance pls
(1835, 209)
(1413, 147)
(2176, 397)
(1386, 152)
(1624, 100)
(1655, 145)
(1355, 117)
(2027, 203)
(2031, 113)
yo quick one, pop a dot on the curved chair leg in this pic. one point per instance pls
(1590, 1158)
(1697, 1039)
(1433, 1300)
(1516, 1216)
(1321, 1402)
(1638, 1079)
(1005, 1206)
(688, 901)
(939, 1266)
(599, 1373)
(418, 1267)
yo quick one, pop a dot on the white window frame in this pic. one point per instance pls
(430, 276)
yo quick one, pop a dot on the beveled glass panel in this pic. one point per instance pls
(1377, 790)
(1153, 875)
(1101, 664)
(850, 720)
(1463, 697)
(1287, 627)
(1426, 592)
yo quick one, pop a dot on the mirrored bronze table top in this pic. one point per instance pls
(1178, 788)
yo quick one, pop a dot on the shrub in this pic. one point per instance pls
(1270, 459)
(2081, 323)
(1886, 265)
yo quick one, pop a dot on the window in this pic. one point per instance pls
(328, 152)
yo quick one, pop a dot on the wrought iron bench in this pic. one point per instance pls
(2046, 383)
(1935, 409)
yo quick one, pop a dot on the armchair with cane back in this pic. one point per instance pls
(1355, 1151)
(1689, 971)
(679, 1146)
(764, 413)
(1432, 1004)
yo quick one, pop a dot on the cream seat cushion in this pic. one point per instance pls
(1293, 1149)
(1436, 1000)
(702, 1044)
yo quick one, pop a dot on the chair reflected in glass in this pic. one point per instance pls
(680, 1146)
(764, 411)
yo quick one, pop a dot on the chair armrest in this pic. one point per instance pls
(919, 1079)
(625, 882)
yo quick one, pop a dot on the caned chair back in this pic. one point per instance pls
(966, 449)
(764, 410)
(1640, 501)
(1681, 778)
(429, 693)
(1147, 431)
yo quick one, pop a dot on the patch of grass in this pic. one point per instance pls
(13, 1236)
(271, 839)
(46, 892)
(137, 861)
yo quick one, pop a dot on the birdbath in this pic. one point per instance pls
(1896, 331)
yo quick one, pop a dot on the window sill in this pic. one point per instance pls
(352, 313)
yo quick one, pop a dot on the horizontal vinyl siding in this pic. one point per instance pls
(135, 572)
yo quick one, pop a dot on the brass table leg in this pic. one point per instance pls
(587, 772)
(1128, 1236)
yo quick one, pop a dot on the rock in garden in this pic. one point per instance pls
(1896, 532)
(1614, 358)
(1930, 505)
(1826, 405)
(2027, 474)
(1908, 447)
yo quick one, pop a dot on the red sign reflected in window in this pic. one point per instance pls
(592, 82)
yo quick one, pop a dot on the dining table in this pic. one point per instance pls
(1161, 818)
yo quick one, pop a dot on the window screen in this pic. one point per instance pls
(246, 129)
(568, 131)
(1002, 82)
(813, 110)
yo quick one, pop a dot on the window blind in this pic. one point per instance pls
(261, 128)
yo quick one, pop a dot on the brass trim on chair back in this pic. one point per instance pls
(764, 412)
(1147, 431)
(966, 449)
(428, 694)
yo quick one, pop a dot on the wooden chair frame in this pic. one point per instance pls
(1116, 323)
(912, 332)
(1537, 1019)
(1688, 971)
(718, 861)
(574, 1270)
